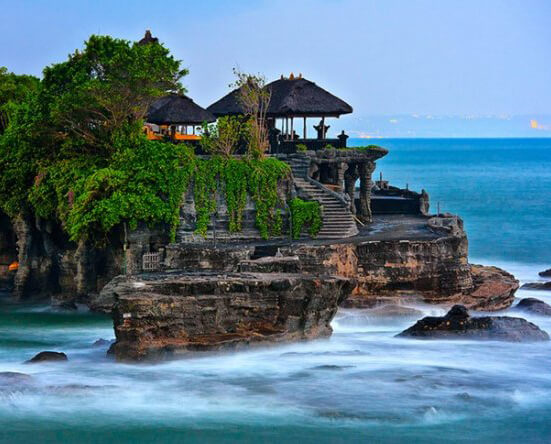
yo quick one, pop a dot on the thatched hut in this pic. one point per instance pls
(290, 98)
(178, 116)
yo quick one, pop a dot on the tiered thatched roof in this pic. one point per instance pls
(148, 38)
(289, 97)
(176, 109)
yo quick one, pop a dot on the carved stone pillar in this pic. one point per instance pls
(350, 178)
(341, 170)
(313, 171)
(365, 169)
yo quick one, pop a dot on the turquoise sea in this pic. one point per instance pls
(361, 385)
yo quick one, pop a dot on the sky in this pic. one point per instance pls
(407, 61)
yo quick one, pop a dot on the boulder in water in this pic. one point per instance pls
(102, 343)
(47, 356)
(537, 286)
(545, 273)
(534, 306)
(458, 324)
(14, 378)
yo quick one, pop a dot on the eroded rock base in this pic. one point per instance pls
(171, 314)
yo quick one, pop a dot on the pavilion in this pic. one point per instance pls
(293, 98)
(176, 116)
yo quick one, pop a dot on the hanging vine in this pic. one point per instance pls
(303, 214)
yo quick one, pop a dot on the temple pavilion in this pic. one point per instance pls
(293, 101)
(177, 117)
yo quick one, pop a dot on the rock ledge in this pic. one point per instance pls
(171, 314)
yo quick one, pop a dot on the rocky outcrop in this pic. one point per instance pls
(545, 273)
(537, 286)
(493, 289)
(173, 314)
(534, 306)
(47, 356)
(458, 324)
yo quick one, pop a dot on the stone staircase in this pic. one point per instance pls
(338, 221)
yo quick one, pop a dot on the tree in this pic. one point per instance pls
(255, 99)
(225, 136)
(13, 90)
(78, 120)
(105, 90)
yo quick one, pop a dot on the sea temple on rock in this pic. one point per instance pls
(267, 246)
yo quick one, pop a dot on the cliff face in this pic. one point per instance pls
(173, 314)
(50, 266)
(432, 268)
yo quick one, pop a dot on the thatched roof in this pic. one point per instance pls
(148, 38)
(177, 109)
(289, 97)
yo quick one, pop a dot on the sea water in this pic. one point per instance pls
(361, 385)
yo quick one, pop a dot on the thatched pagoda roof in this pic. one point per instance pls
(148, 38)
(289, 97)
(176, 109)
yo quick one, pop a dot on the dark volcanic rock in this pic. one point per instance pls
(545, 273)
(101, 342)
(457, 324)
(173, 314)
(535, 306)
(47, 356)
(537, 286)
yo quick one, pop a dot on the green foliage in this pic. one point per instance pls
(328, 147)
(106, 88)
(303, 214)
(142, 183)
(13, 90)
(206, 175)
(225, 136)
(238, 178)
(263, 181)
(73, 149)
(302, 148)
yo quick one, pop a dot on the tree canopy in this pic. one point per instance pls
(80, 119)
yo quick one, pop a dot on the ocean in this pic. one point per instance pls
(360, 385)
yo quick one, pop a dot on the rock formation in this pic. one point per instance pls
(537, 286)
(458, 324)
(46, 356)
(175, 313)
(534, 306)
(545, 273)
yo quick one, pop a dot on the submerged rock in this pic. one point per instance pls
(46, 356)
(458, 324)
(394, 311)
(167, 315)
(102, 343)
(14, 378)
(545, 273)
(534, 306)
(537, 286)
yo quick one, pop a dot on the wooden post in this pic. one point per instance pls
(292, 132)
(323, 127)
(304, 129)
